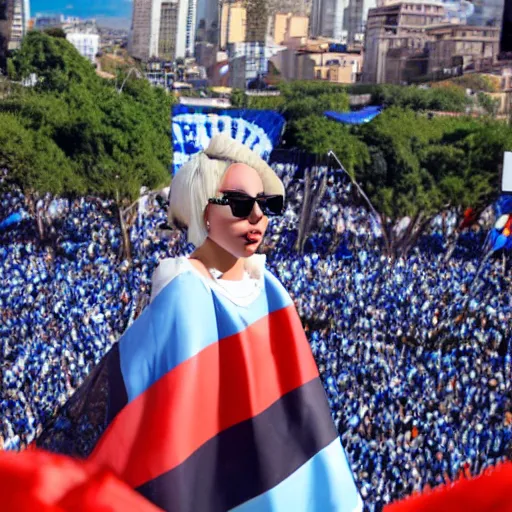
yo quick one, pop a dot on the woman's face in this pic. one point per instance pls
(241, 237)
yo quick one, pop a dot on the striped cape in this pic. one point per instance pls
(207, 406)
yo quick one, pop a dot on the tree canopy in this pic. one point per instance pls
(76, 133)
(114, 143)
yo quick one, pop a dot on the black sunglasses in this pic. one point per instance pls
(242, 204)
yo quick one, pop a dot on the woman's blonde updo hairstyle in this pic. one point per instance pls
(200, 179)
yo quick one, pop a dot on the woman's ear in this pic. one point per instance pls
(205, 218)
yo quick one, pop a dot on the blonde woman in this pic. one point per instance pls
(211, 401)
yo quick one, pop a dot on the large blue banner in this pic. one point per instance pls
(193, 128)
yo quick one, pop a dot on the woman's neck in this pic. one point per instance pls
(211, 255)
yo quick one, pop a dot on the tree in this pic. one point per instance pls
(419, 167)
(56, 32)
(115, 143)
(450, 98)
(319, 135)
(488, 104)
(55, 61)
(238, 98)
(35, 164)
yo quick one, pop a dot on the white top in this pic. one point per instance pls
(242, 292)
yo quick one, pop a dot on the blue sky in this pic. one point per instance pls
(118, 11)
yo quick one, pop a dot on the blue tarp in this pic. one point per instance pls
(13, 219)
(193, 128)
(362, 116)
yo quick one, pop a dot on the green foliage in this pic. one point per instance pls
(34, 161)
(475, 82)
(55, 61)
(318, 135)
(112, 143)
(265, 102)
(11, 70)
(450, 98)
(304, 106)
(55, 32)
(301, 88)
(423, 165)
(488, 103)
(238, 98)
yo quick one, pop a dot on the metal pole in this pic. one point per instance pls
(354, 182)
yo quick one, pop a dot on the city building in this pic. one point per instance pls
(163, 29)
(14, 23)
(20, 21)
(86, 42)
(327, 19)
(355, 20)
(395, 41)
(43, 21)
(288, 26)
(6, 10)
(145, 29)
(455, 49)
(168, 30)
(341, 20)
(233, 23)
(313, 60)
(207, 21)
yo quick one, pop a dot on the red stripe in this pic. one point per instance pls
(226, 383)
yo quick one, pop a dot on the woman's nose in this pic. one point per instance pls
(256, 213)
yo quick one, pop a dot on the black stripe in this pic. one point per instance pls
(117, 395)
(249, 458)
(82, 420)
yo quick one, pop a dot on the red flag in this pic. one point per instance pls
(489, 492)
(43, 482)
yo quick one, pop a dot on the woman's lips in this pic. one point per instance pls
(253, 236)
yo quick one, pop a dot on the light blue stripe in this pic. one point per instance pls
(183, 319)
(323, 484)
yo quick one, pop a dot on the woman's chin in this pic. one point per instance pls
(250, 249)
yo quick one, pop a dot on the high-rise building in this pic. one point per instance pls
(233, 23)
(341, 20)
(207, 21)
(462, 48)
(20, 19)
(168, 30)
(141, 35)
(163, 29)
(87, 42)
(14, 23)
(6, 10)
(355, 19)
(327, 19)
(395, 41)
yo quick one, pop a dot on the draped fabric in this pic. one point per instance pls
(208, 406)
(489, 492)
(36, 481)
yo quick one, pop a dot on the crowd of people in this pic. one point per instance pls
(414, 354)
